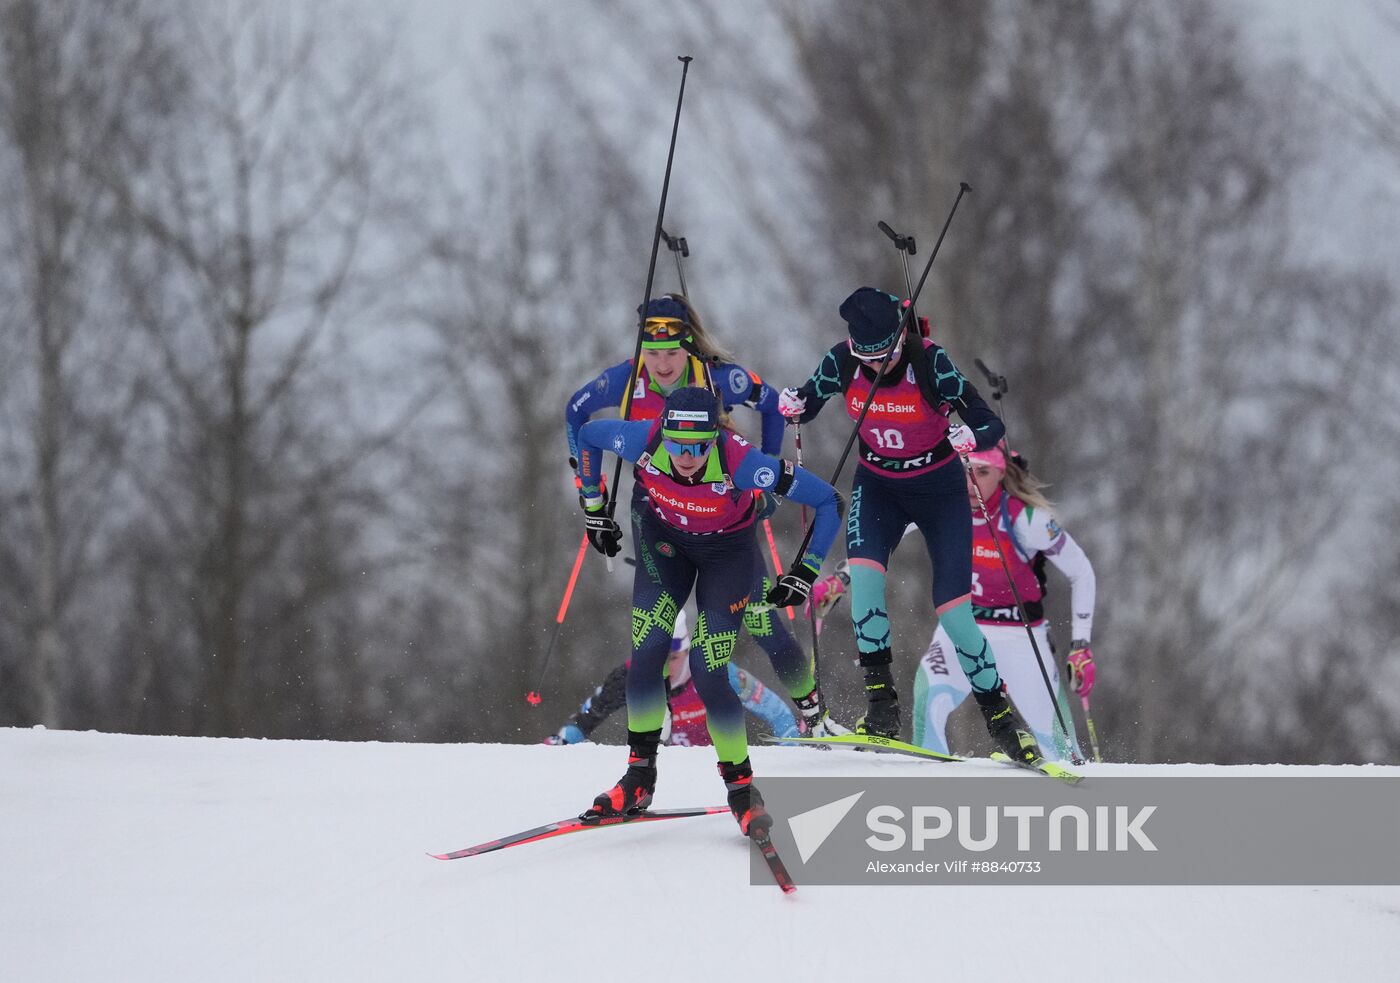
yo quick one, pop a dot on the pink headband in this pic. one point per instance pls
(992, 457)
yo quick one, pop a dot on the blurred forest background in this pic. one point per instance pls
(288, 320)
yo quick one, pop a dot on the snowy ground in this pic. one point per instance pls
(141, 858)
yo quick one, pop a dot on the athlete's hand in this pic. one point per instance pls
(829, 590)
(793, 586)
(765, 504)
(790, 404)
(962, 438)
(604, 534)
(1081, 668)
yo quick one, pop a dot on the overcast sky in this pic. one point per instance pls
(452, 41)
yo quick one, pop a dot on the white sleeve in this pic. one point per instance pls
(1070, 559)
(1038, 531)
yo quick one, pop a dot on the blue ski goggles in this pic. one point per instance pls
(678, 448)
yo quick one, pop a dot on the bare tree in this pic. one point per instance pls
(71, 85)
(248, 267)
(537, 273)
(1205, 318)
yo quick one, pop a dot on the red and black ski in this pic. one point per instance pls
(775, 862)
(574, 825)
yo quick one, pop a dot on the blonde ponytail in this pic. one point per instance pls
(1023, 485)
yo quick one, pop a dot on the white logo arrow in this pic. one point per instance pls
(811, 828)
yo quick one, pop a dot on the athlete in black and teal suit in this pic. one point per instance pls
(909, 471)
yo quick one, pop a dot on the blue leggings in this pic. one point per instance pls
(766, 628)
(670, 563)
(880, 510)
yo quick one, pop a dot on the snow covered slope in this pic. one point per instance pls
(142, 858)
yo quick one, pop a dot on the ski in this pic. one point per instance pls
(775, 863)
(1048, 768)
(888, 745)
(574, 825)
(869, 742)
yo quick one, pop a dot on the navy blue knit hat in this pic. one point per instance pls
(667, 307)
(690, 413)
(872, 316)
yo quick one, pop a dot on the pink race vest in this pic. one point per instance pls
(900, 431)
(990, 588)
(646, 404)
(702, 508)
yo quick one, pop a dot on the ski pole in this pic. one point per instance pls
(905, 322)
(651, 276)
(679, 248)
(907, 247)
(533, 696)
(999, 388)
(811, 605)
(777, 563)
(1093, 731)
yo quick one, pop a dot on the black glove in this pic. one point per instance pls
(604, 534)
(793, 587)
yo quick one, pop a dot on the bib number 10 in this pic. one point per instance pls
(888, 440)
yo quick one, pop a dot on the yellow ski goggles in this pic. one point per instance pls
(664, 332)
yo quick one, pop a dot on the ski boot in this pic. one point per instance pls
(815, 721)
(634, 790)
(744, 800)
(1010, 737)
(882, 719)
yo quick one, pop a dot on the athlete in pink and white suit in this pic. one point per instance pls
(1027, 533)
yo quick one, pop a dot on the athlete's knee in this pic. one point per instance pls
(656, 620)
(759, 622)
(712, 643)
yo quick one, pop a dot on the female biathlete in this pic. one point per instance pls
(909, 471)
(695, 531)
(1026, 535)
(677, 352)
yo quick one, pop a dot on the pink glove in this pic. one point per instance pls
(962, 438)
(828, 591)
(1081, 668)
